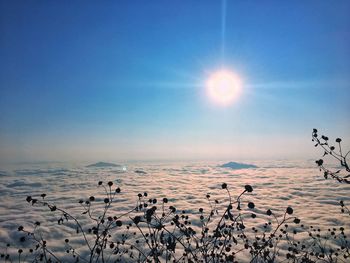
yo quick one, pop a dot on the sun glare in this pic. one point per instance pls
(223, 87)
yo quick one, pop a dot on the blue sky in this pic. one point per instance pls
(124, 80)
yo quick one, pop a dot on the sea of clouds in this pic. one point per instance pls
(277, 184)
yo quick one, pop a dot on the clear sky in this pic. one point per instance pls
(125, 80)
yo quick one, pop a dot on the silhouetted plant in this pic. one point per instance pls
(154, 232)
(344, 208)
(337, 153)
(341, 175)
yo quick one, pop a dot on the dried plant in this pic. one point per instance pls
(337, 153)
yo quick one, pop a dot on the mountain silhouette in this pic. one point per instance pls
(237, 166)
(103, 164)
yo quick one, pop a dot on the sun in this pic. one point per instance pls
(223, 87)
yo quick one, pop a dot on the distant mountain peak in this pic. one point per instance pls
(237, 166)
(140, 172)
(103, 164)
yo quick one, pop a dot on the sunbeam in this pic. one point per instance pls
(223, 30)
